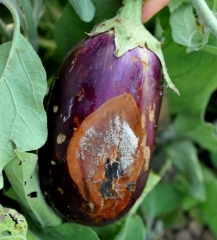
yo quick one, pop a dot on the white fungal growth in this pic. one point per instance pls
(115, 140)
(128, 145)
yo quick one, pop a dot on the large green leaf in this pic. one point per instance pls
(84, 8)
(153, 179)
(184, 156)
(164, 198)
(195, 76)
(132, 229)
(22, 89)
(66, 231)
(13, 225)
(208, 208)
(198, 130)
(22, 174)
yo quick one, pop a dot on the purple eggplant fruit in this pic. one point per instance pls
(102, 115)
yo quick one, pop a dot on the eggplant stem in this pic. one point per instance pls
(132, 10)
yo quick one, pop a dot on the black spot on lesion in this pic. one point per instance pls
(131, 187)
(33, 194)
(105, 189)
(112, 171)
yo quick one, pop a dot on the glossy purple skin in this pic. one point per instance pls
(92, 68)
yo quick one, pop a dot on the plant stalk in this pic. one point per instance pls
(132, 10)
(37, 10)
(16, 32)
(15, 16)
(30, 23)
(206, 15)
(3, 30)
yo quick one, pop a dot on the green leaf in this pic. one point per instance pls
(12, 224)
(213, 157)
(185, 30)
(84, 8)
(174, 4)
(22, 174)
(198, 130)
(190, 73)
(184, 155)
(153, 179)
(110, 231)
(164, 198)
(66, 231)
(22, 89)
(208, 208)
(132, 229)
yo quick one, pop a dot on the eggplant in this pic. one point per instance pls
(102, 113)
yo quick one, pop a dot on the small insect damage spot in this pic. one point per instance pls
(33, 194)
(21, 162)
(61, 138)
(13, 218)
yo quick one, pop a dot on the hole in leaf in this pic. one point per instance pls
(33, 195)
(14, 219)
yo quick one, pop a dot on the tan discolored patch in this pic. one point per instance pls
(151, 116)
(151, 111)
(147, 153)
(135, 59)
(91, 206)
(61, 138)
(60, 190)
(53, 162)
(118, 20)
(143, 121)
(105, 156)
(145, 64)
(72, 66)
(55, 109)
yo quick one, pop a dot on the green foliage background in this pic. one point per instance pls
(184, 185)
